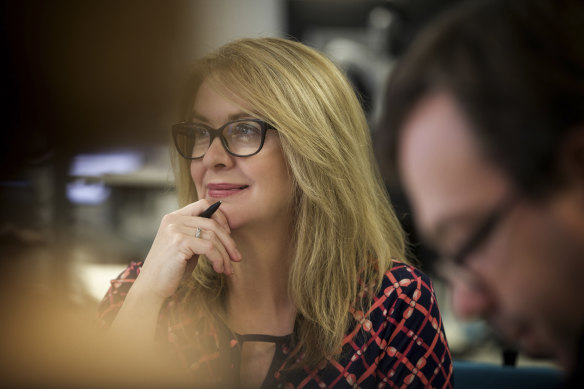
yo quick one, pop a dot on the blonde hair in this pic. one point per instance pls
(345, 233)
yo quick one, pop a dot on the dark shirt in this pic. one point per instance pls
(576, 378)
(398, 343)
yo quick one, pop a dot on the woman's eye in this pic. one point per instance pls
(247, 129)
(245, 132)
(200, 131)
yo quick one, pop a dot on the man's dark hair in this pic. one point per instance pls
(514, 68)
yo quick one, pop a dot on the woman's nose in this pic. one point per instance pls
(216, 155)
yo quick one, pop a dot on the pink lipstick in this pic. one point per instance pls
(222, 190)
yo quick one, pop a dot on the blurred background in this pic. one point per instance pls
(89, 90)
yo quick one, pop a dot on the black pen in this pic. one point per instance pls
(211, 210)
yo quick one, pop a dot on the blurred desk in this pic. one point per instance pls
(475, 375)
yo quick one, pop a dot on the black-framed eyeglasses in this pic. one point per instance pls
(240, 138)
(482, 233)
(454, 265)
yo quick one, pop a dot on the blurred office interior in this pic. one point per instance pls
(91, 88)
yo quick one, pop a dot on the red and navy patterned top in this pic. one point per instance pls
(398, 343)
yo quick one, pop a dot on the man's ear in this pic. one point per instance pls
(571, 159)
(569, 195)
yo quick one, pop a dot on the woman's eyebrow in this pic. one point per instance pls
(230, 117)
(240, 115)
(199, 117)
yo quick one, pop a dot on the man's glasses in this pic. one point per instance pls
(483, 232)
(477, 238)
(240, 138)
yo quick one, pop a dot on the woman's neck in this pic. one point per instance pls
(257, 293)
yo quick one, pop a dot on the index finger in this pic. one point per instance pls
(194, 209)
(198, 207)
(211, 210)
(220, 218)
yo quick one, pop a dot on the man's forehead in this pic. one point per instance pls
(441, 166)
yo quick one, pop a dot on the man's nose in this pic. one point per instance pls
(470, 301)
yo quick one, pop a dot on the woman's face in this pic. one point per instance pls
(256, 190)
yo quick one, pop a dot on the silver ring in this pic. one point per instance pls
(198, 233)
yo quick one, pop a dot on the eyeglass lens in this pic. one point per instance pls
(455, 265)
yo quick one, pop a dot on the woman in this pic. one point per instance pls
(292, 278)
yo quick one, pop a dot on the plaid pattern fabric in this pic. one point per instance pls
(398, 343)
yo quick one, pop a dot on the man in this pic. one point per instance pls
(484, 125)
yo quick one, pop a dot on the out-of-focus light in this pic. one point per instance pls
(96, 277)
(380, 18)
(81, 192)
(95, 165)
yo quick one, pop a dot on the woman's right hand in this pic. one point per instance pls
(176, 250)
